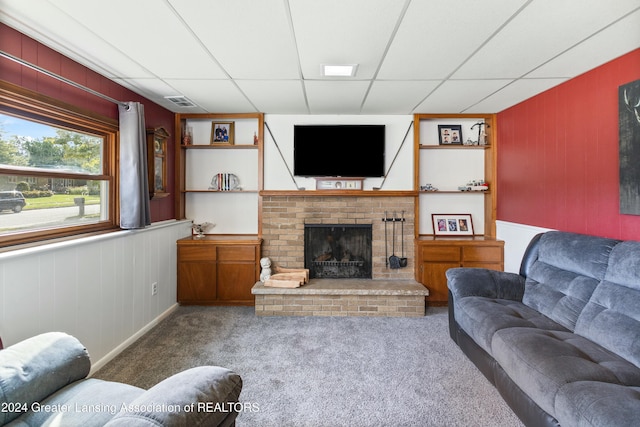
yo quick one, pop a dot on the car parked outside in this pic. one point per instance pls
(12, 200)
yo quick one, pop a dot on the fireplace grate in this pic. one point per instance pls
(338, 269)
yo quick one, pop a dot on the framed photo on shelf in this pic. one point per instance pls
(452, 224)
(222, 133)
(450, 134)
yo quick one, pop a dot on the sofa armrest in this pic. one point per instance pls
(464, 282)
(37, 367)
(202, 396)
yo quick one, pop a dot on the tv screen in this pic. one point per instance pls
(339, 150)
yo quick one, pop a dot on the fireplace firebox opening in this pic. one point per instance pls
(338, 250)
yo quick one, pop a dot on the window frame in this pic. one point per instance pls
(23, 103)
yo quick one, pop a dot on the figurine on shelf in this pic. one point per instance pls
(428, 187)
(474, 185)
(187, 136)
(265, 274)
(201, 229)
(255, 138)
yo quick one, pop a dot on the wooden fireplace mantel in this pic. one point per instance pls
(341, 193)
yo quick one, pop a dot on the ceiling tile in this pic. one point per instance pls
(250, 39)
(397, 97)
(335, 97)
(275, 96)
(343, 32)
(166, 47)
(614, 41)
(52, 27)
(438, 36)
(536, 35)
(216, 96)
(513, 94)
(457, 96)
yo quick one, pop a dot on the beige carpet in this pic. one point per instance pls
(323, 371)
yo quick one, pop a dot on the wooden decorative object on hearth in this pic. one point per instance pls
(288, 277)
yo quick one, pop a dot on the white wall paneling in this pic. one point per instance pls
(97, 289)
(516, 239)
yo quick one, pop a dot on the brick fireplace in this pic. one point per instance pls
(284, 219)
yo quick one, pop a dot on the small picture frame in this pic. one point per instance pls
(222, 133)
(450, 134)
(452, 224)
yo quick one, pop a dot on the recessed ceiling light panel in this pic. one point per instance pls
(344, 70)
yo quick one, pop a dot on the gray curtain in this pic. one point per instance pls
(134, 185)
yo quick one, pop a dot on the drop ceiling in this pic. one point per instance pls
(413, 56)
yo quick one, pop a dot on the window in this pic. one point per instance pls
(57, 169)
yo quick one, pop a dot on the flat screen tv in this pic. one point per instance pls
(339, 150)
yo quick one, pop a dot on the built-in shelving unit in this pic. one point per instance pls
(199, 158)
(446, 167)
(220, 268)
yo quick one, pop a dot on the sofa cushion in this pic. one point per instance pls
(481, 317)
(218, 387)
(611, 318)
(566, 272)
(543, 362)
(590, 403)
(88, 402)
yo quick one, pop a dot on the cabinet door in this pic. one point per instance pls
(435, 261)
(235, 280)
(196, 281)
(433, 277)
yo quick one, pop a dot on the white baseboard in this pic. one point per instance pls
(119, 349)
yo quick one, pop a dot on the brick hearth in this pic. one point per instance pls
(343, 297)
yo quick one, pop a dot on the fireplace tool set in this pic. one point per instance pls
(394, 261)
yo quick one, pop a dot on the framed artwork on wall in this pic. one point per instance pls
(629, 152)
(452, 224)
(222, 133)
(450, 134)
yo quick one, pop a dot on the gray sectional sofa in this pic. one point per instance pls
(560, 340)
(43, 381)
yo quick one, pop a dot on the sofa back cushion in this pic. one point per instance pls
(567, 269)
(611, 318)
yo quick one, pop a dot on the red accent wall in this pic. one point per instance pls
(558, 155)
(17, 44)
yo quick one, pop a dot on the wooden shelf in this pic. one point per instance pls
(456, 192)
(219, 147)
(219, 191)
(454, 147)
(474, 238)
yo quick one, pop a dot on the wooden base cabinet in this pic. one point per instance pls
(436, 256)
(218, 270)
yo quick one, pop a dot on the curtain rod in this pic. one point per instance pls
(62, 79)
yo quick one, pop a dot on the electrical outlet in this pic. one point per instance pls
(154, 288)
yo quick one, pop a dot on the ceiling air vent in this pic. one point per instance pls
(180, 101)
